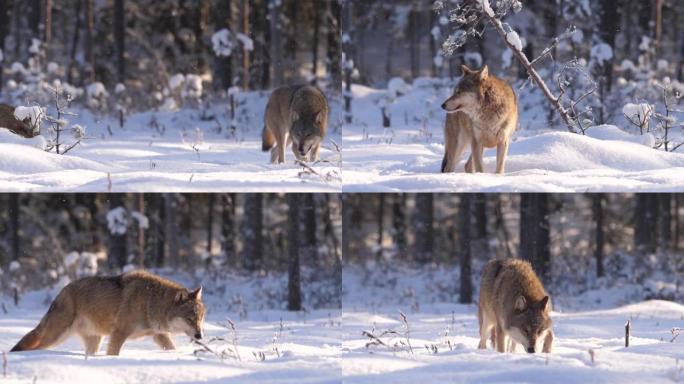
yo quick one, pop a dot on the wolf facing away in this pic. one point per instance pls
(514, 307)
(482, 113)
(297, 114)
(132, 305)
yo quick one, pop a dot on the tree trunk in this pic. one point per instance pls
(597, 211)
(399, 224)
(251, 231)
(315, 42)
(171, 232)
(224, 65)
(159, 231)
(210, 224)
(424, 230)
(74, 42)
(334, 49)
(414, 39)
(348, 54)
(4, 30)
(14, 224)
(245, 52)
(665, 221)
(117, 242)
(120, 38)
(465, 214)
(47, 36)
(307, 211)
(381, 228)
(228, 229)
(294, 293)
(534, 232)
(140, 262)
(89, 32)
(276, 43)
(609, 28)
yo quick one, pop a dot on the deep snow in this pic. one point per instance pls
(444, 334)
(308, 347)
(160, 151)
(408, 155)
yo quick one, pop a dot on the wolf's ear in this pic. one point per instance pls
(320, 116)
(484, 73)
(465, 70)
(180, 297)
(545, 304)
(196, 294)
(294, 116)
(520, 303)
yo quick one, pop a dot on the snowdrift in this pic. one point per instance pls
(408, 155)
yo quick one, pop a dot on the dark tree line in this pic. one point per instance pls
(143, 43)
(215, 232)
(566, 238)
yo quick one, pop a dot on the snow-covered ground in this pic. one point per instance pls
(443, 336)
(308, 346)
(408, 155)
(444, 340)
(168, 151)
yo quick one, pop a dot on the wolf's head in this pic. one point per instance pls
(187, 313)
(307, 131)
(530, 322)
(469, 93)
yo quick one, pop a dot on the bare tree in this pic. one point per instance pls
(251, 231)
(4, 29)
(276, 43)
(423, 228)
(171, 231)
(228, 228)
(597, 211)
(294, 292)
(465, 216)
(120, 38)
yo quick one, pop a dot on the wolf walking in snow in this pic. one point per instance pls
(297, 114)
(514, 307)
(482, 113)
(132, 305)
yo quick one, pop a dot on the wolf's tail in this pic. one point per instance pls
(267, 139)
(53, 327)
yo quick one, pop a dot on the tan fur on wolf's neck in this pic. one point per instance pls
(132, 305)
(513, 307)
(481, 113)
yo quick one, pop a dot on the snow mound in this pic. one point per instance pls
(35, 115)
(25, 159)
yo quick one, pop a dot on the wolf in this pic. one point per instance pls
(132, 305)
(297, 114)
(11, 123)
(482, 112)
(513, 305)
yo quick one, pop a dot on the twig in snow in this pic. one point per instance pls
(233, 330)
(628, 328)
(675, 333)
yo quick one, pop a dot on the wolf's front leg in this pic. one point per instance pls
(501, 152)
(548, 342)
(478, 151)
(500, 339)
(314, 154)
(116, 340)
(92, 344)
(163, 340)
